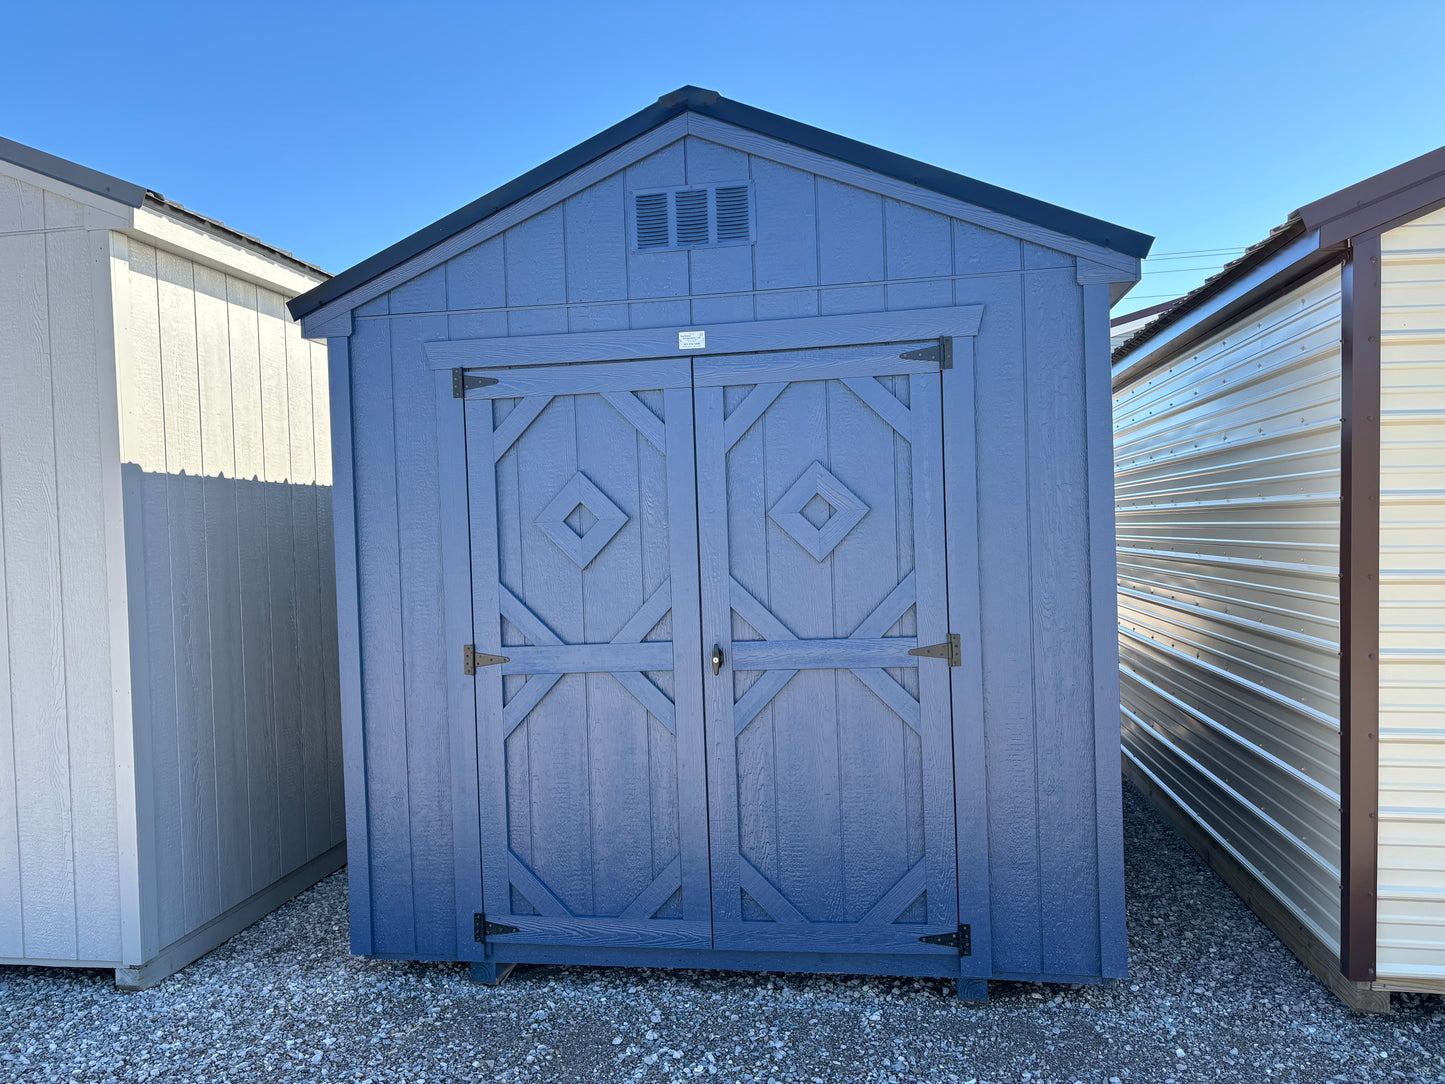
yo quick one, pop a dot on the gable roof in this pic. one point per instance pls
(133, 195)
(1312, 234)
(709, 103)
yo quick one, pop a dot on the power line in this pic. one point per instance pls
(1194, 252)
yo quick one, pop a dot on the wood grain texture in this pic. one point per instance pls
(42, 801)
(562, 797)
(1062, 626)
(76, 409)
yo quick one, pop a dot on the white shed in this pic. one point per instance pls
(169, 744)
(1280, 472)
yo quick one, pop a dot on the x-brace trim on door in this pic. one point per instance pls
(865, 645)
(562, 658)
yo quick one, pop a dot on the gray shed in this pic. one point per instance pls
(725, 556)
(169, 739)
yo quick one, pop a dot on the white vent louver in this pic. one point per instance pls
(693, 217)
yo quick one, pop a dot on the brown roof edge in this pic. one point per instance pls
(1360, 608)
(1376, 203)
(1139, 314)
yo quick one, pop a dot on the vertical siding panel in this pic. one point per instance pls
(850, 247)
(190, 610)
(424, 651)
(281, 557)
(425, 293)
(537, 275)
(218, 465)
(33, 586)
(326, 571)
(84, 595)
(1058, 554)
(1005, 603)
(144, 480)
(786, 252)
(658, 274)
(728, 269)
(477, 278)
(253, 567)
(310, 705)
(384, 719)
(920, 246)
(596, 252)
(12, 929)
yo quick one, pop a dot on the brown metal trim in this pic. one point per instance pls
(1360, 607)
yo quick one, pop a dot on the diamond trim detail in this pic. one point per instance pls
(552, 520)
(848, 511)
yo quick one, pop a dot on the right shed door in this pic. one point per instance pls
(830, 753)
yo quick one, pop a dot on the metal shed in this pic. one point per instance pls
(724, 535)
(1281, 505)
(170, 760)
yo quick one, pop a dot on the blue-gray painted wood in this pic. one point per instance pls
(1010, 467)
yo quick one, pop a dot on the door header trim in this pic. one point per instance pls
(749, 337)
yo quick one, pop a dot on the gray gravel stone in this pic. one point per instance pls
(1212, 997)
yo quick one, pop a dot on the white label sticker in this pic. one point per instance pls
(692, 340)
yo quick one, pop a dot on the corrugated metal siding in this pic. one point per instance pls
(1228, 486)
(1411, 918)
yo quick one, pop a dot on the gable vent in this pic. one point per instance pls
(652, 229)
(693, 216)
(733, 220)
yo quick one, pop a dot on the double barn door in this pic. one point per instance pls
(705, 576)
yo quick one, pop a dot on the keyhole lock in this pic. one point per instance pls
(717, 660)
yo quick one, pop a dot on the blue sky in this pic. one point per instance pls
(333, 130)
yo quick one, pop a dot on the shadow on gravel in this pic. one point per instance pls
(1212, 996)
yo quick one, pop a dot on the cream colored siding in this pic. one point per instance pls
(59, 867)
(1411, 919)
(1228, 489)
(225, 478)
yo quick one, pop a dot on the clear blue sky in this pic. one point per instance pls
(333, 130)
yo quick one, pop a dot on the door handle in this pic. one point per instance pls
(717, 660)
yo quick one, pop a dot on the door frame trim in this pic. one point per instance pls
(749, 337)
(961, 526)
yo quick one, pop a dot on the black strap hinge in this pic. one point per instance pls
(473, 660)
(482, 929)
(950, 649)
(463, 382)
(962, 940)
(941, 353)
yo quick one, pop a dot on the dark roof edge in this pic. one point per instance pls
(1376, 203)
(71, 173)
(235, 236)
(711, 104)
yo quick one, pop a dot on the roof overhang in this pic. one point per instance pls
(1101, 238)
(1315, 236)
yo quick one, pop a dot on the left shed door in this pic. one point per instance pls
(590, 744)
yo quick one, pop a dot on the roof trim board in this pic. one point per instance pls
(1368, 207)
(693, 103)
(72, 173)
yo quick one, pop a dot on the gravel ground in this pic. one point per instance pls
(1213, 997)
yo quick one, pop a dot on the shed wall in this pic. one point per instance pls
(226, 474)
(822, 248)
(1228, 489)
(1411, 914)
(60, 894)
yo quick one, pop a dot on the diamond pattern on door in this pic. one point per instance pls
(830, 746)
(606, 520)
(585, 578)
(841, 512)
